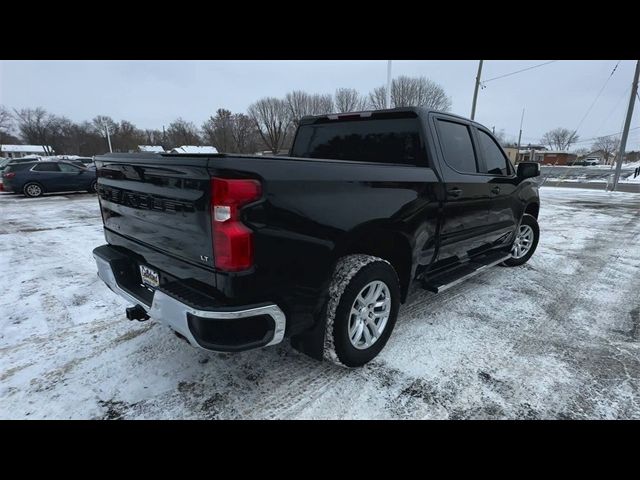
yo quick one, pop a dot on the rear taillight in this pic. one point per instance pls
(232, 241)
(9, 175)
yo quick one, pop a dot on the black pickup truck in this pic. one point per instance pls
(235, 252)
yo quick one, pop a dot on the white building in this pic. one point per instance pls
(17, 151)
(151, 148)
(194, 149)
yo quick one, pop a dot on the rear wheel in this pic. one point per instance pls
(32, 190)
(93, 187)
(525, 242)
(364, 298)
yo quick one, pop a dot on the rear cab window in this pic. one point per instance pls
(378, 139)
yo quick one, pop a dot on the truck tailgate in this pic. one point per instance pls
(161, 204)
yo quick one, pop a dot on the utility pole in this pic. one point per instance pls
(387, 102)
(627, 123)
(108, 136)
(475, 92)
(520, 136)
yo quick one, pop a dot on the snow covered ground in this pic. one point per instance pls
(556, 338)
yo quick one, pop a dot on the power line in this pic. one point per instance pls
(597, 97)
(624, 95)
(518, 71)
(602, 136)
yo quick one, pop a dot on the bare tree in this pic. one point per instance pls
(608, 145)
(7, 127)
(180, 132)
(230, 132)
(302, 103)
(349, 100)
(378, 98)
(244, 134)
(35, 126)
(321, 104)
(102, 123)
(412, 92)
(62, 136)
(560, 138)
(89, 142)
(127, 137)
(153, 137)
(272, 117)
(218, 131)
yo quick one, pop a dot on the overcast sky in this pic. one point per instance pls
(153, 93)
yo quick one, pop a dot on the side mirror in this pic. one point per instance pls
(528, 170)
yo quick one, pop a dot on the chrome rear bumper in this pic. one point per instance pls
(178, 316)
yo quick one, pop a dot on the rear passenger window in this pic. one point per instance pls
(455, 139)
(496, 163)
(46, 167)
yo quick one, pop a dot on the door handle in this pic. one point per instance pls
(495, 190)
(455, 192)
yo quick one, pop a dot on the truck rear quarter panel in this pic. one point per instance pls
(313, 212)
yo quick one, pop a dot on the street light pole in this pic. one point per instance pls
(520, 136)
(387, 102)
(627, 123)
(475, 92)
(106, 128)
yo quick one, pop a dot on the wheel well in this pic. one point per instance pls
(388, 245)
(34, 182)
(533, 209)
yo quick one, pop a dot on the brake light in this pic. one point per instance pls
(9, 175)
(232, 241)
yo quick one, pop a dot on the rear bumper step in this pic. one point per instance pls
(217, 328)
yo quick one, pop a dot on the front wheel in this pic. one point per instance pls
(364, 298)
(525, 242)
(93, 188)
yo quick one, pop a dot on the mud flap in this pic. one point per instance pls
(311, 342)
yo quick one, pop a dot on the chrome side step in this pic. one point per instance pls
(451, 278)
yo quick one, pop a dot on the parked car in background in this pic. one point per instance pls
(37, 177)
(4, 162)
(589, 162)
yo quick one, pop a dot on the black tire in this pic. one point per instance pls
(32, 190)
(352, 274)
(93, 187)
(531, 221)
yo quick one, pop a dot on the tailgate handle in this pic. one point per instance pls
(455, 192)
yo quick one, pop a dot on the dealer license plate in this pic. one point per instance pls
(149, 277)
